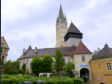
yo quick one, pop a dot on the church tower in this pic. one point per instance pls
(61, 28)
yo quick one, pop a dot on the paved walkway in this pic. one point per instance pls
(89, 82)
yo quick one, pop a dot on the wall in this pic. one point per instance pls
(100, 73)
(5, 46)
(72, 41)
(79, 64)
(30, 59)
(60, 33)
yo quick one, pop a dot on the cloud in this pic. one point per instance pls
(32, 22)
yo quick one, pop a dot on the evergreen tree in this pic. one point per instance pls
(59, 61)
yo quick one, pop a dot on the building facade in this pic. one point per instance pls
(101, 66)
(69, 41)
(5, 47)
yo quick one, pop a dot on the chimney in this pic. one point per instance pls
(23, 51)
(106, 45)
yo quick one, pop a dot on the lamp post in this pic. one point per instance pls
(30, 69)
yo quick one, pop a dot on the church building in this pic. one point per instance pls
(69, 41)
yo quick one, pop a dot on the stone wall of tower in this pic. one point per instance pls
(72, 42)
(60, 33)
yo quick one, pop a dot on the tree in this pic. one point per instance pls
(1, 50)
(36, 65)
(96, 51)
(47, 63)
(10, 67)
(24, 67)
(2, 62)
(16, 63)
(59, 61)
(68, 67)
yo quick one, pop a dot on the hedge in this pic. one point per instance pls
(15, 79)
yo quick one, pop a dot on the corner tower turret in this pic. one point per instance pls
(61, 28)
(73, 36)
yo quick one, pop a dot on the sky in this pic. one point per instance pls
(32, 22)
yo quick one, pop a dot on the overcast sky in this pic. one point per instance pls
(32, 22)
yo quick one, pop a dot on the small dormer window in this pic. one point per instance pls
(83, 58)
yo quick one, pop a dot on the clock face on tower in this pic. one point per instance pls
(63, 25)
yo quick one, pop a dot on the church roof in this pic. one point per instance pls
(4, 43)
(73, 32)
(104, 53)
(66, 51)
(73, 29)
(82, 49)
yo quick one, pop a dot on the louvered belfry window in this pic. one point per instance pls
(108, 65)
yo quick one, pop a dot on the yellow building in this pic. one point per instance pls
(101, 66)
(5, 47)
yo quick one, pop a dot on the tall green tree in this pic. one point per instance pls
(68, 67)
(24, 67)
(47, 63)
(17, 64)
(36, 65)
(59, 61)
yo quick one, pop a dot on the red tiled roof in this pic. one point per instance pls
(82, 49)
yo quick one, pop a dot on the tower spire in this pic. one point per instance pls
(61, 16)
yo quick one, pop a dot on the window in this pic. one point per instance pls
(3, 57)
(108, 65)
(83, 58)
(23, 61)
(27, 61)
(100, 67)
(68, 60)
(4, 51)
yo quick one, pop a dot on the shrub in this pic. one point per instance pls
(15, 79)
(21, 71)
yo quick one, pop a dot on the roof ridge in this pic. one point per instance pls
(56, 47)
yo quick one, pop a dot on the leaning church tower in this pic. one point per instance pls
(61, 28)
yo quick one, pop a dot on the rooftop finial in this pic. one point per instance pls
(60, 2)
(71, 20)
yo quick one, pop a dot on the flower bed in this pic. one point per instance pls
(16, 79)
